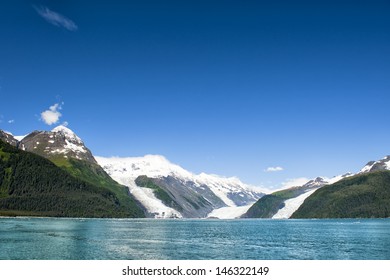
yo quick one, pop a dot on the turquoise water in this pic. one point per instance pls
(121, 239)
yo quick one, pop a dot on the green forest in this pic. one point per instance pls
(34, 186)
(361, 196)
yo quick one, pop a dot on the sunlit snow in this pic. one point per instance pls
(292, 205)
(151, 203)
(72, 142)
(229, 212)
(126, 170)
(19, 138)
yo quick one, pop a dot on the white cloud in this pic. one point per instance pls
(65, 123)
(52, 115)
(11, 121)
(56, 18)
(295, 182)
(274, 169)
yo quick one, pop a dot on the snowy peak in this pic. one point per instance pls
(216, 191)
(156, 166)
(322, 181)
(153, 166)
(60, 142)
(382, 164)
(67, 133)
(317, 182)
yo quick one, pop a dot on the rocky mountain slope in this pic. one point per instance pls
(60, 143)
(8, 138)
(382, 164)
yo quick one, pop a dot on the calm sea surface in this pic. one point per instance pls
(122, 239)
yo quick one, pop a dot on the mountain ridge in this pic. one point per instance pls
(365, 195)
(285, 203)
(218, 191)
(164, 189)
(194, 195)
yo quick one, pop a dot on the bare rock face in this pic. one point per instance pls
(8, 138)
(61, 142)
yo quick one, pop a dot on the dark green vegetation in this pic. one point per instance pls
(268, 205)
(33, 186)
(95, 175)
(164, 196)
(362, 196)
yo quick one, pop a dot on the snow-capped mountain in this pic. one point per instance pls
(338, 178)
(291, 205)
(382, 164)
(296, 196)
(282, 204)
(316, 183)
(168, 190)
(216, 190)
(322, 181)
(59, 142)
(177, 192)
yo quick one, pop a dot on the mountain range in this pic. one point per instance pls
(159, 188)
(151, 186)
(292, 202)
(195, 196)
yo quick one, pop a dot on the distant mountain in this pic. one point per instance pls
(282, 204)
(168, 190)
(279, 204)
(366, 195)
(285, 203)
(161, 189)
(31, 185)
(382, 164)
(66, 150)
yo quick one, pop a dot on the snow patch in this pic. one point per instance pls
(229, 212)
(338, 178)
(20, 138)
(292, 205)
(72, 142)
(152, 204)
(69, 134)
(156, 166)
(74, 147)
(367, 168)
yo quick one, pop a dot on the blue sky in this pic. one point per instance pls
(224, 87)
